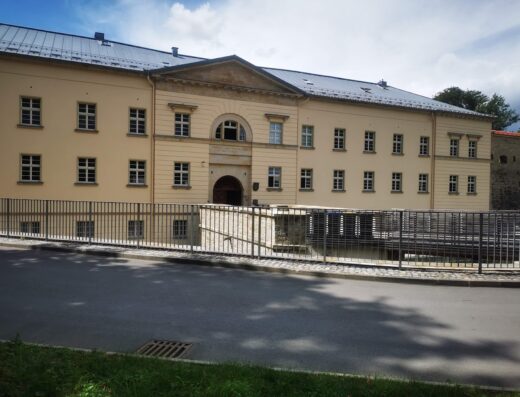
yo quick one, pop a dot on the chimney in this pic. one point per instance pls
(383, 83)
(175, 51)
(99, 36)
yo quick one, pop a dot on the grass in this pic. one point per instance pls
(36, 371)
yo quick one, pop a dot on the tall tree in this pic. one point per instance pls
(480, 102)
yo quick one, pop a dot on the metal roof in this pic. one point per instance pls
(71, 48)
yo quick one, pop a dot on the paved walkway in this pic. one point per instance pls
(490, 278)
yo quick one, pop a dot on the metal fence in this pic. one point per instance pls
(451, 239)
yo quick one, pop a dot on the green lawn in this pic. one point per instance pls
(28, 370)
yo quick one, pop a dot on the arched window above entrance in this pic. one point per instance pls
(231, 128)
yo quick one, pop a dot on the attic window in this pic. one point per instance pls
(307, 81)
(367, 90)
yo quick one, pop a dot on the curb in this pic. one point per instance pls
(212, 262)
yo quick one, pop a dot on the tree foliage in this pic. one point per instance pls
(480, 102)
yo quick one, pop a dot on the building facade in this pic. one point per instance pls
(91, 119)
(505, 170)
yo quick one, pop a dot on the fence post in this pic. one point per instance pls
(138, 225)
(480, 235)
(191, 228)
(325, 216)
(253, 232)
(90, 225)
(8, 211)
(400, 239)
(46, 220)
(259, 240)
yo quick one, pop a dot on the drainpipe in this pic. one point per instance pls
(434, 139)
(152, 140)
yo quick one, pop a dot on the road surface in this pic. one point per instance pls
(466, 335)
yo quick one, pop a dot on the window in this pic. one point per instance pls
(368, 181)
(307, 136)
(230, 130)
(135, 229)
(454, 147)
(30, 112)
(306, 179)
(472, 149)
(181, 174)
(86, 170)
(502, 159)
(370, 141)
(275, 133)
(397, 179)
(31, 168)
(274, 178)
(423, 183)
(454, 184)
(30, 227)
(137, 122)
(180, 229)
(85, 229)
(397, 145)
(182, 124)
(86, 116)
(137, 172)
(338, 180)
(424, 146)
(472, 184)
(339, 139)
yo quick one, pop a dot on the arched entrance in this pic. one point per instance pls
(228, 190)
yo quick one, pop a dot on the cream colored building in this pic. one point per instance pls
(91, 119)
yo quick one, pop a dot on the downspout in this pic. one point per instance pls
(299, 103)
(432, 163)
(152, 140)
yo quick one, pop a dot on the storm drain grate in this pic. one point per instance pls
(164, 349)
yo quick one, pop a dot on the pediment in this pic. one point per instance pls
(232, 73)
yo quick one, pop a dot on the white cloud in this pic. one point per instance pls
(422, 46)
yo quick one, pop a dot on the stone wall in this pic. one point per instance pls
(505, 172)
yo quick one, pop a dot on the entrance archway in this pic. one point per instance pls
(228, 190)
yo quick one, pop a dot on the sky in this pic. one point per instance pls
(422, 46)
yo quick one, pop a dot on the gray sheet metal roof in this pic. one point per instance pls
(71, 48)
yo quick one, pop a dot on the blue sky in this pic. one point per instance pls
(422, 46)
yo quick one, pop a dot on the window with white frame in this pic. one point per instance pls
(339, 138)
(137, 172)
(135, 229)
(424, 146)
(472, 184)
(86, 170)
(86, 116)
(423, 183)
(397, 144)
(307, 136)
(370, 141)
(181, 174)
(472, 149)
(30, 168)
(368, 181)
(180, 229)
(275, 133)
(85, 229)
(306, 179)
(30, 111)
(397, 182)
(454, 147)
(274, 177)
(453, 184)
(338, 180)
(30, 227)
(182, 124)
(137, 121)
(230, 130)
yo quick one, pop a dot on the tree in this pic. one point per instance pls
(480, 102)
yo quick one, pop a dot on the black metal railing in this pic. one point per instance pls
(399, 238)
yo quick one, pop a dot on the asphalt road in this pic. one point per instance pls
(467, 335)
